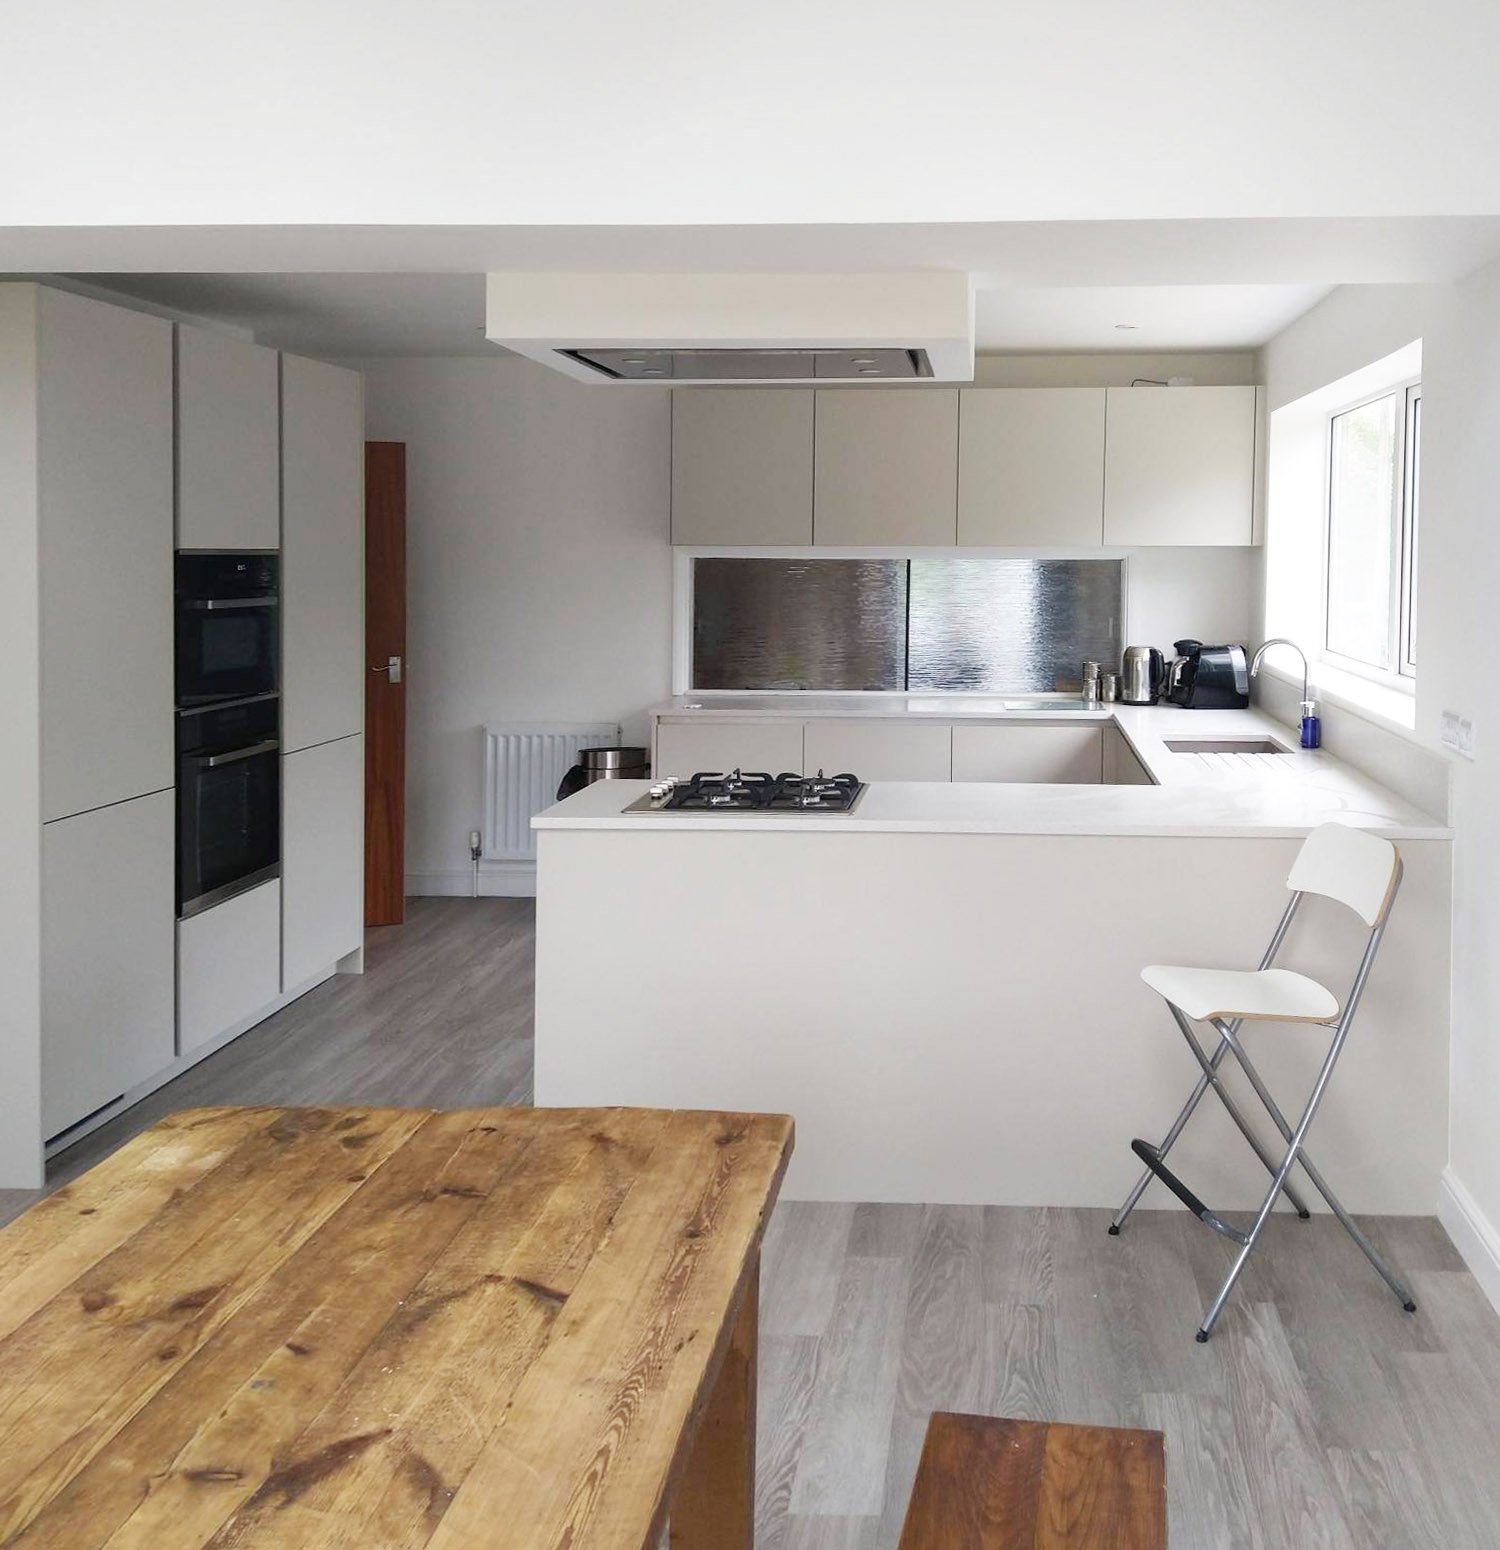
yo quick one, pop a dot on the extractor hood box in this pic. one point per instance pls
(792, 329)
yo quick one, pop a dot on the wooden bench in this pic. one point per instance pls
(987, 1484)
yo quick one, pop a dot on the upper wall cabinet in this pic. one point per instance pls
(887, 466)
(1179, 466)
(322, 547)
(742, 466)
(104, 490)
(228, 491)
(1031, 466)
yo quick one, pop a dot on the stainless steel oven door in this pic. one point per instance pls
(229, 823)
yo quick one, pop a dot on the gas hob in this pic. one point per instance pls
(739, 791)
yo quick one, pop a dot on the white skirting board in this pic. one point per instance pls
(497, 880)
(1473, 1234)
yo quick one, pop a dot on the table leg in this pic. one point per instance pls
(714, 1505)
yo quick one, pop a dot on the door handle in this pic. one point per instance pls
(391, 667)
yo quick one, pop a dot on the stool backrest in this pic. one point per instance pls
(1355, 867)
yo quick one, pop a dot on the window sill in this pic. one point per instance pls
(1393, 709)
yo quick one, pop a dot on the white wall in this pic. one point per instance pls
(657, 112)
(1458, 581)
(539, 572)
(1456, 614)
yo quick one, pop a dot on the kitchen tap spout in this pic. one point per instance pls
(1281, 640)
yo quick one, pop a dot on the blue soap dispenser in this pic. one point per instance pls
(1312, 725)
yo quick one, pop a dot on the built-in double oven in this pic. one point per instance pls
(228, 726)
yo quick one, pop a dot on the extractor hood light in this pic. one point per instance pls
(1127, 327)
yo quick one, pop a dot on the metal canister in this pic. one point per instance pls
(1109, 688)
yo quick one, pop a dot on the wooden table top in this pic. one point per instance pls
(376, 1328)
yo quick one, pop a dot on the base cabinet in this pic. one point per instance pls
(108, 908)
(1031, 755)
(323, 851)
(686, 748)
(878, 750)
(228, 965)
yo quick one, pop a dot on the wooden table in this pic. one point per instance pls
(391, 1328)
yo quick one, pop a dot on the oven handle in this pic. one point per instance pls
(212, 761)
(213, 605)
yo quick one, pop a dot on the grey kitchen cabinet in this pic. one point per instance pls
(1179, 466)
(228, 965)
(322, 565)
(886, 466)
(688, 747)
(102, 386)
(742, 466)
(323, 850)
(108, 920)
(228, 435)
(1031, 466)
(876, 749)
(1029, 754)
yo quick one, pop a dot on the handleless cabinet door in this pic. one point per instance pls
(323, 857)
(228, 965)
(887, 466)
(1031, 466)
(108, 922)
(322, 566)
(686, 748)
(878, 750)
(742, 466)
(1029, 755)
(1179, 466)
(228, 459)
(105, 480)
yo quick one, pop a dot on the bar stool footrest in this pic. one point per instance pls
(1149, 1155)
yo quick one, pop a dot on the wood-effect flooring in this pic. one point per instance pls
(1320, 1417)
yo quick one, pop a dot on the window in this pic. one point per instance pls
(1370, 579)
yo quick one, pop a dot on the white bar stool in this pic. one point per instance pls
(1359, 870)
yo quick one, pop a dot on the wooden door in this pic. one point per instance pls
(385, 682)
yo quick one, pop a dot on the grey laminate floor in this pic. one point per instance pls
(1319, 1416)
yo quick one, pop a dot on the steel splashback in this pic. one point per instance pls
(1001, 624)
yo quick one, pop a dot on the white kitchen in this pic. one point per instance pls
(801, 861)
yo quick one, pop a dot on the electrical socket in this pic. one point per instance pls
(1456, 732)
(476, 844)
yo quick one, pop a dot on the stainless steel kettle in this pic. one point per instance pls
(1142, 675)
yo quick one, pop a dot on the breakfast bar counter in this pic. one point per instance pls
(943, 982)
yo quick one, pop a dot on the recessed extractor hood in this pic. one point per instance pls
(801, 329)
(754, 365)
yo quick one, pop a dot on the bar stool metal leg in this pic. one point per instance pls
(1209, 1078)
(1299, 1135)
(1368, 1249)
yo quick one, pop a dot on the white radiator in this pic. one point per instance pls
(523, 763)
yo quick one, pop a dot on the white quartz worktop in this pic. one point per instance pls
(1212, 795)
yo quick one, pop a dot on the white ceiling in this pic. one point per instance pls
(1161, 317)
(353, 315)
(176, 113)
(356, 291)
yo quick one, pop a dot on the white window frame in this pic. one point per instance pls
(1405, 519)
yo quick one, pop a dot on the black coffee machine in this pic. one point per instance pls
(1208, 677)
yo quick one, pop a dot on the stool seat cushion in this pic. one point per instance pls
(1274, 995)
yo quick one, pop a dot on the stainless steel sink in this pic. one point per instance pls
(1225, 745)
